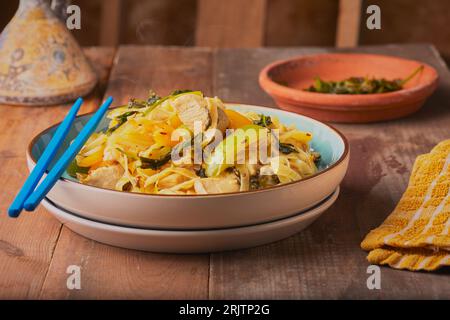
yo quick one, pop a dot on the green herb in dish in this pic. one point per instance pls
(264, 121)
(121, 120)
(286, 148)
(153, 98)
(154, 164)
(177, 92)
(360, 85)
(74, 168)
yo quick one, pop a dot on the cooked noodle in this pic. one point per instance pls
(138, 151)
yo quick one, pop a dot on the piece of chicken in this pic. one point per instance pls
(222, 121)
(104, 177)
(191, 108)
(229, 183)
(208, 111)
(219, 119)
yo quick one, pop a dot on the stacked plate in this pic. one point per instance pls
(189, 241)
(200, 223)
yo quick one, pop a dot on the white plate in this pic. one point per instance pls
(204, 211)
(190, 241)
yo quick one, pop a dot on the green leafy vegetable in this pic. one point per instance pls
(201, 172)
(261, 181)
(127, 187)
(316, 156)
(286, 148)
(268, 180)
(360, 85)
(136, 103)
(254, 182)
(74, 168)
(177, 92)
(264, 121)
(154, 164)
(120, 121)
(153, 98)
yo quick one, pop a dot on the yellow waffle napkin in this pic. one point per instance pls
(415, 236)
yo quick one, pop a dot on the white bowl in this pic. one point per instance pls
(189, 241)
(204, 211)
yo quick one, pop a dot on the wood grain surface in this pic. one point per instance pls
(27, 244)
(231, 24)
(348, 23)
(324, 261)
(301, 22)
(114, 273)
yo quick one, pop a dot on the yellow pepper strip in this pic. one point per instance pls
(175, 121)
(237, 120)
(134, 138)
(301, 136)
(91, 159)
(102, 164)
(163, 135)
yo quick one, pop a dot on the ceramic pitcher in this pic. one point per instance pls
(40, 61)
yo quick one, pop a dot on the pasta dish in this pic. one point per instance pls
(186, 143)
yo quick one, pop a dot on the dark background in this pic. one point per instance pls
(286, 22)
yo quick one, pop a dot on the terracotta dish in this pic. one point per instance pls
(286, 80)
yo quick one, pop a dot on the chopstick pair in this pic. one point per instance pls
(28, 198)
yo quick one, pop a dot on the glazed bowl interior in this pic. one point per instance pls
(326, 140)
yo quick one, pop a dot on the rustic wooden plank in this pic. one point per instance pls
(113, 273)
(237, 70)
(111, 17)
(109, 272)
(396, 26)
(349, 20)
(230, 24)
(27, 244)
(159, 68)
(325, 260)
(301, 22)
(102, 61)
(159, 22)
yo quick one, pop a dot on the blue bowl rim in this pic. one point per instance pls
(284, 185)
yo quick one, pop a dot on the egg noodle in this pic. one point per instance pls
(186, 143)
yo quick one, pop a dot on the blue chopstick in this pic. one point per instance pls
(55, 173)
(44, 161)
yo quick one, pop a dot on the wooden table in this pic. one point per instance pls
(324, 261)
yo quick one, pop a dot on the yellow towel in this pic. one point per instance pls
(415, 236)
